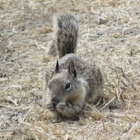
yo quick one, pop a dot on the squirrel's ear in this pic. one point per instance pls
(57, 67)
(72, 69)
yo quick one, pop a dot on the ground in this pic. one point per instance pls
(109, 35)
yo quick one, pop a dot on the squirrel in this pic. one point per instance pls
(71, 82)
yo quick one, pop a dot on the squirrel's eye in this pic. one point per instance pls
(67, 86)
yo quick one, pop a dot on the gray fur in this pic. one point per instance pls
(72, 82)
(86, 87)
(66, 29)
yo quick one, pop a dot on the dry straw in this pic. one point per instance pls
(109, 36)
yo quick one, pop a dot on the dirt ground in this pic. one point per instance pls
(109, 36)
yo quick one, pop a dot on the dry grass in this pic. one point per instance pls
(109, 35)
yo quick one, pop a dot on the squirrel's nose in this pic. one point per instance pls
(55, 100)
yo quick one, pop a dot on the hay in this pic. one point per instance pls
(109, 36)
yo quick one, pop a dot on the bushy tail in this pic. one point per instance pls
(66, 29)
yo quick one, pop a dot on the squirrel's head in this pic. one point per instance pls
(63, 83)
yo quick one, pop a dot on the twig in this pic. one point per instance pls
(130, 131)
(108, 103)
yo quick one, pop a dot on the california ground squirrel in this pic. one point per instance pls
(72, 82)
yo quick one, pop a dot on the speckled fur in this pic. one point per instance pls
(85, 78)
(65, 35)
(88, 86)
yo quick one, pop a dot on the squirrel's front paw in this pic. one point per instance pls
(61, 106)
(51, 106)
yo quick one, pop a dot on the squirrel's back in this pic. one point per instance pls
(65, 38)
